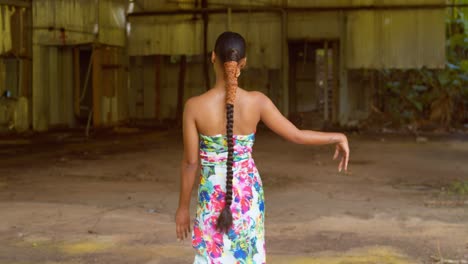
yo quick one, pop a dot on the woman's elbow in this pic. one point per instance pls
(190, 164)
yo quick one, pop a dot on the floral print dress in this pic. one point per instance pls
(244, 243)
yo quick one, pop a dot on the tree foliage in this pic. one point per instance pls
(438, 96)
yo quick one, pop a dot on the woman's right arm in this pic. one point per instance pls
(272, 117)
(189, 168)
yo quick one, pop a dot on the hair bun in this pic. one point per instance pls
(233, 55)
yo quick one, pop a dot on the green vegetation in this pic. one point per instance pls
(458, 188)
(436, 96)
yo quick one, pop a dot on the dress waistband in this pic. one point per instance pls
(214, 158)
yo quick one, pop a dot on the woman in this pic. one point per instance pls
(229, 222)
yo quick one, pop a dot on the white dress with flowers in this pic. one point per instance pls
(244, 243)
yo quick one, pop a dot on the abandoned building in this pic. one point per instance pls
(66, 64)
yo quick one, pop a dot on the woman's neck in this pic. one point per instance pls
(220, 84)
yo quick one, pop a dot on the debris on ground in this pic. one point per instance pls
(446, 203)
(438, 260)
(421, 139)
(151, 211)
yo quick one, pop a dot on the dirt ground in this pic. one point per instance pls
(112, 199)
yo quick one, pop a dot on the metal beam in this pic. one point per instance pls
(18, 3)
(255, 9)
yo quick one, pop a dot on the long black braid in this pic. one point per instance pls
(230, 49)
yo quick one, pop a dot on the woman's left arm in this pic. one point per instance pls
(189, 168)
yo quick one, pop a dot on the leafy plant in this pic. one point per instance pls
(439, 96)
(458, 188)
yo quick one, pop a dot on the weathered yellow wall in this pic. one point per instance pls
(179, 35)
(81, 19)
(396, 39)
(5, 29)
(374, 38)
(84, 23)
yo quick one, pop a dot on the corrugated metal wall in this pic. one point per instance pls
(158, 5)
(53, 88)
(165, 36)
(5, 30)
(181, 35)
(171, 4)
(110, 88)
(372, 39)
(262, 32)
(322, 3)
(82, 20)
(396, 39)
(59, 24)
(143, 87)
(314, 25)
(375, 38)
(15, 66)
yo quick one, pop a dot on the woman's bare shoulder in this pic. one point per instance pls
(197, 99)
(258, 97)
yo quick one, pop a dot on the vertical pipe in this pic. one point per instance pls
(325, 82)
(19, 78)
(343, 101)
(20, 12)
(336, 70)
(33, 55)
(373, 93)
(53, 75)
(96, 108)
(76, 78)
(40, 92)
(284, 62)
(157, 86)
(229, 19)
(98, 9)
(127, 76)
(181, 86)
(206, 69)
(292, 73)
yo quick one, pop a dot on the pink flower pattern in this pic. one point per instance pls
(244, 243)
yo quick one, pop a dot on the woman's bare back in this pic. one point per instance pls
(209, 112)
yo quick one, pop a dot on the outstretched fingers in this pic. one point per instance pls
(337, 152)
(178, 233)
(342, 151)
(187, 231)
(340, 166)
(346, 160)
(183, 231)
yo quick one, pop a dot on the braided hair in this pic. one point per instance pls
(230, 49)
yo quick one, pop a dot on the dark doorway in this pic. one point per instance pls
(83, 82)
(313, 82)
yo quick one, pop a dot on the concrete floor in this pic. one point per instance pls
(112, 200)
